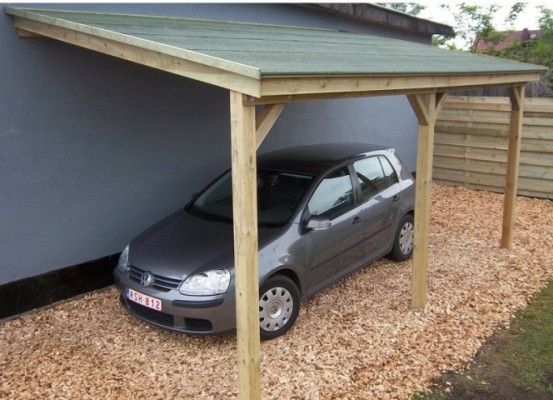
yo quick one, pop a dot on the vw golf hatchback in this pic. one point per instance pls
(324, 211)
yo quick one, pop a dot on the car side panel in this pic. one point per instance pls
(379, 215)
(334, 249)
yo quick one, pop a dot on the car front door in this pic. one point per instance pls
(331, 250)
(379, 192)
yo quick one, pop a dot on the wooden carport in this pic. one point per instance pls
(269, 66)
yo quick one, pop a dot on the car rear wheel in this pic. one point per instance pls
(404, 239)
(279, 305)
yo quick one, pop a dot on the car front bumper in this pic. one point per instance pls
(197, 315)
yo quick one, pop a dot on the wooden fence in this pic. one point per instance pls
(470, 146)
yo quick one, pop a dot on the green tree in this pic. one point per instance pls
(536, 51)
(514, 12)
(475, 24)
(408, 8)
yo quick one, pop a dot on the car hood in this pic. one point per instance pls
(183, 244)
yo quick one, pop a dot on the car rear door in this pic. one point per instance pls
(380, 196)
(331, 250)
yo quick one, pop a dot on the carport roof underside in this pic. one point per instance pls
(270, 60)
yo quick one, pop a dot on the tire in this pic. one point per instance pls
(279, 305)
(403, 240)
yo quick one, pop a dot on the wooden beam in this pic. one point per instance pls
(441, 98)
(22, 33)
(174, 64)
(420, 107)
(425, 146)
(134, 40)
(516, 95)
(290, 98)
(244, 203)
(304, 85)
(265, 121)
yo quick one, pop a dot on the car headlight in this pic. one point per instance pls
(123, 264)
(206, 283)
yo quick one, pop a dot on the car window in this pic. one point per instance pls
(333, 196)
(389, 172)
(403, 171)
(278, 197)
(370, 176)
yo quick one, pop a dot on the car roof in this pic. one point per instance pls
(315, 159)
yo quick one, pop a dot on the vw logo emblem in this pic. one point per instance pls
(146, 279)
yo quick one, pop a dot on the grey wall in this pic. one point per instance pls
(95, 149)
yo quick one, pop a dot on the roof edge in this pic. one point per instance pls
(37, 15)
(373, 13)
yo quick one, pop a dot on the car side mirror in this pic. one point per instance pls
(317, 223)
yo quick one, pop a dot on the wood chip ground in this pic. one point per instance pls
(356, 340)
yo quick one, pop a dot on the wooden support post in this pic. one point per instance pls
(244, 203)
(426, 108)
(265, 121)
(516, 94)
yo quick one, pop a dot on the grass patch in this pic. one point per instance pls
(515, 363)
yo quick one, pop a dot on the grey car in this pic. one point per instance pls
(324, 211)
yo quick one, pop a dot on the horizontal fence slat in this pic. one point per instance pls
(490, 119)
(530, 184)
(471, 144)
(495, 189)
(491, 167)
(489, 142)
(475, 153)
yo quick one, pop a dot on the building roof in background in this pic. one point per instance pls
(380, 15)
(509, 38)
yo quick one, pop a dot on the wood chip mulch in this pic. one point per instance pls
(356, 340)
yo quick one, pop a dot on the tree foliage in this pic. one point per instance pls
(474, 24)
(408, 8)
(514, 12)
(536, 51)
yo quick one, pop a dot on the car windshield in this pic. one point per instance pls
(278, 197)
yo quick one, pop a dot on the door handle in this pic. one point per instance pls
(356, 220)
(396, 197)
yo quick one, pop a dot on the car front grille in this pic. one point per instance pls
(148, 314)
(160, 282)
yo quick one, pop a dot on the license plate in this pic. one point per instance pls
(146, 301)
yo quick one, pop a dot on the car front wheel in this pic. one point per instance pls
(279, 305)
(404, 239)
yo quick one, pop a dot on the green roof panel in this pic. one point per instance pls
(274, 50)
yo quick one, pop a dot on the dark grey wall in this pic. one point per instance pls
(95, 149)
